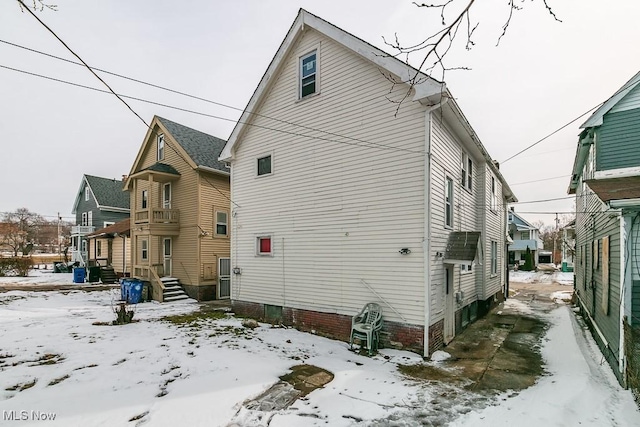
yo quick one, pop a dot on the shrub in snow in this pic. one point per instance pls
(15, 266)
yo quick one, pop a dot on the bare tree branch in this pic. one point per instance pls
(39, 6)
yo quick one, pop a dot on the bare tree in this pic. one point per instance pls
(456, 18)
(20, 228)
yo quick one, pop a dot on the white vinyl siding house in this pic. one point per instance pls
(351, 210)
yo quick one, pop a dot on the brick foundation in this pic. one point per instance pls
(338, 326)
(200, 293)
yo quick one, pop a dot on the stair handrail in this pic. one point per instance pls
(155, 278)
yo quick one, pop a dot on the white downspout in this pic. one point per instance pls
(427, 230)
(427, 226)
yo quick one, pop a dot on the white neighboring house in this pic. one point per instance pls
(524, 235)
(339, 201)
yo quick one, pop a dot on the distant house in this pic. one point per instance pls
(100, 202)
(606, 182)
(111, 247)
(568, 245)
(524, 235)
(338, 201)
(180, 213)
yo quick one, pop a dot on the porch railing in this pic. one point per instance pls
(82, 230)
(157, 216)
(149, 273)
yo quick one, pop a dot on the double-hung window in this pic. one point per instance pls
(161, 147)
(144, 199)
(308, 74)
(86, 193)
(494, 257)
(221, 223)
(494, 198)
(144, 249)
(448, 203)
(467, 172)
(466, 268)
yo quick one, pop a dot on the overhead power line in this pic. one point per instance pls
(81, 60)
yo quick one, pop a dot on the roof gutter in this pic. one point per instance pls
(582, 151)
(212, 170)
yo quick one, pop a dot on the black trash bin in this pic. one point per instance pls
(94, 274)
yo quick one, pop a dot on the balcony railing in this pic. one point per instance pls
(82, 230)
(158, 216)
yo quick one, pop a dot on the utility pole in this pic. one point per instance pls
(555, 239)
(59, 235)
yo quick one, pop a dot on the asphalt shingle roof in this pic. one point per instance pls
(203, 148)
(162, 167)
(462, 245)
(108, 192)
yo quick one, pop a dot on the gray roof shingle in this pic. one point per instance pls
(203, 148)
(462, 245)
(108, 192)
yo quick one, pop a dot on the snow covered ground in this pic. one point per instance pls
(58, 357)
(40, 277)
(541, 277)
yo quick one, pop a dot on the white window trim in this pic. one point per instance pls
(262, 157)
(166, 203)
(447, 178)
(315, 50)
(144, 199)
(90, 218)
(262, 236)
(467, 177)
(493, 195)
(466, 268)
(86, 193)
(144, 249)
(98, 248)
(160, 147)
(494, 258)
(83, 221)
(107, 223)
(215, 224)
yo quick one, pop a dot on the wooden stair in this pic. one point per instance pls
(108, 275)
(172, 290)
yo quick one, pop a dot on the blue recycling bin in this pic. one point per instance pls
(135, 291)
(78, 274)
(131, 290)
(124, 288)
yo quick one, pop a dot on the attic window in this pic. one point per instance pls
(308, 68)
(86, 193)
(161, 147)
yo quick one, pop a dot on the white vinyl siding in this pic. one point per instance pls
(339, 213)
(447, 152)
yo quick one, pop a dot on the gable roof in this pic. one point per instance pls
(107, 192)
(204, 149)
(596, 119)
(520, 222)
(426, 88)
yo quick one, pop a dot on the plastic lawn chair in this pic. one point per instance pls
(366, 326)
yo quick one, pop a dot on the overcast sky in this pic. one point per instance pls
(541, 76)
